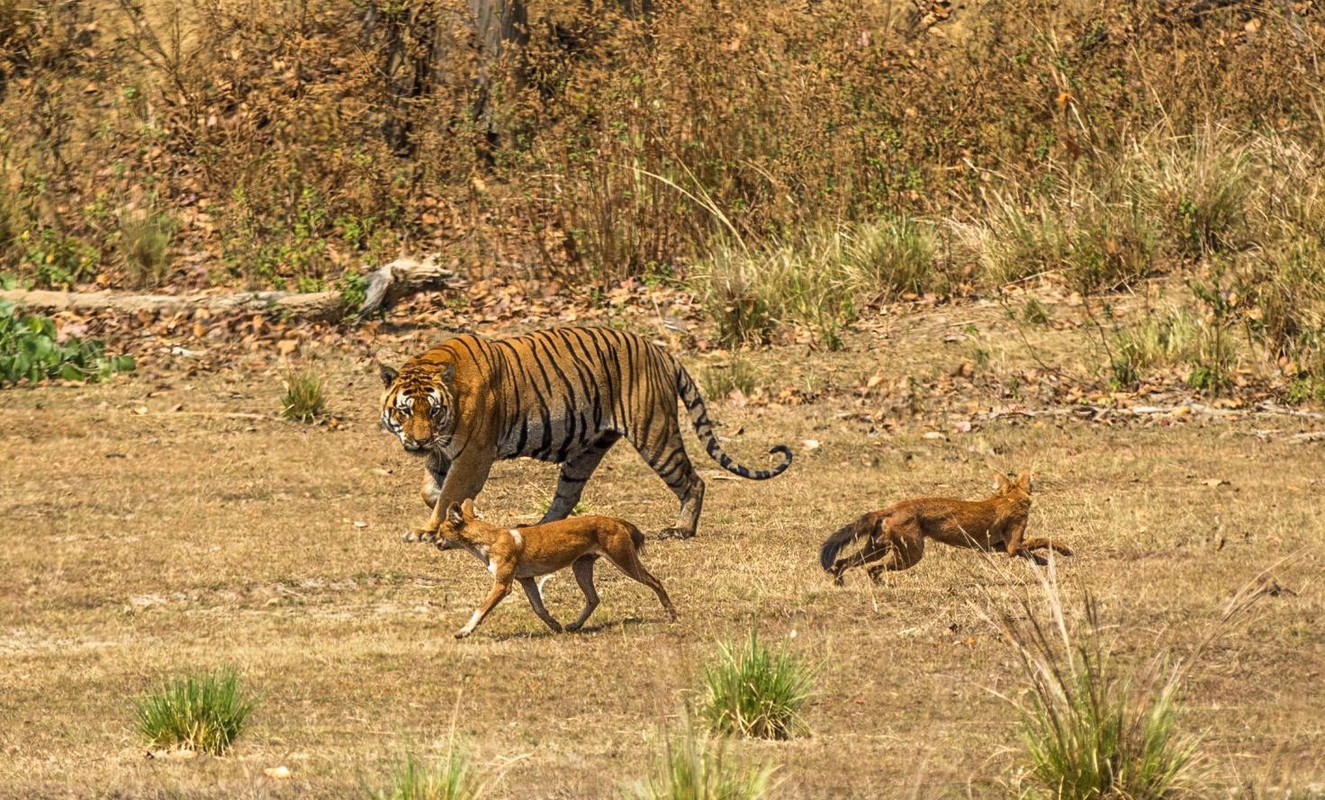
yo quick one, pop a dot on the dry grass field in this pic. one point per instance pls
(167, 523)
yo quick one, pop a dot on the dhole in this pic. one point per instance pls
(525, 554)
(896, 535)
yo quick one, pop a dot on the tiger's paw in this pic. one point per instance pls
(419, 535)
(676, 533)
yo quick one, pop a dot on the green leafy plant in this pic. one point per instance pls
(692, 766)
(30, 350)
(203, 712)
(304, 399)
(750, 691)
(450, 777)
(55, 260)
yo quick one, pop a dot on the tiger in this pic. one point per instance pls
(563, 395)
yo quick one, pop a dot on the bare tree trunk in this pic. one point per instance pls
(384, 287)
(415, 55)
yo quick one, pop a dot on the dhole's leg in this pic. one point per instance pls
(1029, 545)
(662, 446)
(575, 473)
(464, 480)
(500, 588)
(868, 554)
(621, 552)
(908, 547)
(583, 569)
(535, 595)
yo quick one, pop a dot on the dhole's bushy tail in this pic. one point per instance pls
(636, 537)
(847, 534)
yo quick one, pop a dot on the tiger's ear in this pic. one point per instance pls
(454, 515)
(388, 374)
(449, 373)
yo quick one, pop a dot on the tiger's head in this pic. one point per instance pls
(418, 405)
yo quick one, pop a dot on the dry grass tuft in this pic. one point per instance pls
(692, 766)
(304, 399)
(1092, 727)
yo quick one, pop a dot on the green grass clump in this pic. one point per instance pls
(751, 691)
(693, 767)
(204, 712)
(451, 777)
(304, 399)
(1090, 727)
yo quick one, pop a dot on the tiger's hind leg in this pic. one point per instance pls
(575, 473)
(662, 447)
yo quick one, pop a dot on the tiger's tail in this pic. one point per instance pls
(834, 544)
(699, 415)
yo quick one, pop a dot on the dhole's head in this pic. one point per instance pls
(418, 405)
(459, 516)
(1019, 487)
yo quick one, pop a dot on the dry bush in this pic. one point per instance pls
(293, 139)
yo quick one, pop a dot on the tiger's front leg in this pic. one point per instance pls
(434, 476)
(464, 480)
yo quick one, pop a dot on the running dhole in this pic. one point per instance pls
(896, 535)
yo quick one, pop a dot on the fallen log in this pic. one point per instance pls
(383, 287)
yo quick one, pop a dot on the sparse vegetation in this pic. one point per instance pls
(693, 766)
(1091, 727)
(748, 690)
(31, 350)
(205, 712)
(144, 247)
(738, 374)
(304, 399)
(449, 777)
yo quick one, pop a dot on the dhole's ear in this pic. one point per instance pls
(1024, 482)
(1002, 484)
(467, 508)
(454, 514)
(388, 374)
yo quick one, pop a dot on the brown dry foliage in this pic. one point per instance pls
(296, 137)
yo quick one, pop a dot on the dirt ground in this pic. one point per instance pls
(172, 522)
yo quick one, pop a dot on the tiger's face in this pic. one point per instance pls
(418, 407)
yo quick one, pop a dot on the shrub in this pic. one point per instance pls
(1092, 728)
(304, 400)
(204, 712)
(144, 246)
(894, 255)
(750, 691)
(451, 777)
(694, 767)
(55, 260)
(30, 349)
